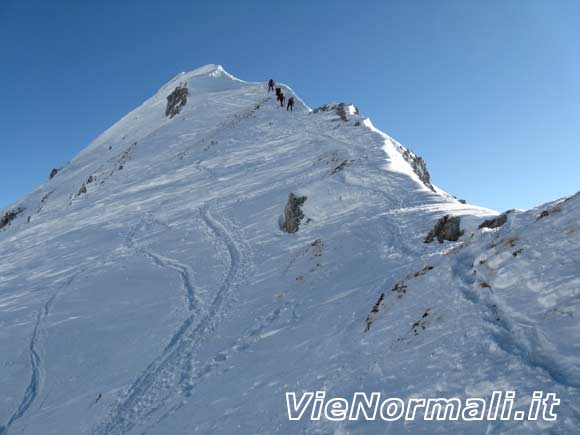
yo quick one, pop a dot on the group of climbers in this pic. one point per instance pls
(280, 96)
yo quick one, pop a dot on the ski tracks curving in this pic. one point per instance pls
(185, 274)
(36, 362)
(172, 373)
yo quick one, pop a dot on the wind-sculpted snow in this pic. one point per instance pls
(166, 299)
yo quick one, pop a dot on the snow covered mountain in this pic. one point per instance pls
(149, 287)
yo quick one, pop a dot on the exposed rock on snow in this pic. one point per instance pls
(53, 173)
(421, 324)
(82, 190)
(495, 222)
(293, 214)
(399, 289)
(419, 167)
(341, 109)
(9, 216)
(176, 100)
(341, 112)
(548, 212)
(374, 311)
(446, 228)
(423, 271)
(340, 167)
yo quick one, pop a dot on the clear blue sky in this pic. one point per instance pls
(488, 92)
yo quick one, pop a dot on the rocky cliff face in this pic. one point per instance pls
(419, 167)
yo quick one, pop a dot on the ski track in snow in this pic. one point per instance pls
(183, 271)
(250, 337)
(172, 372)
(36, 363)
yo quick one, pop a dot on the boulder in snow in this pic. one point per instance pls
(293, 214)
(446, 228)
(53, 173)
(495, 222)
(176, 100)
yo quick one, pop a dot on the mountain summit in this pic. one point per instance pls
(212, 251)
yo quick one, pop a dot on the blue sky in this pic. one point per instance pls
(488, 92)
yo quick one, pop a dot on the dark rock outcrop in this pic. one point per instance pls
(495, 222)
(339, 109)
(419, 167)
(446, 228)
(53, 173)
(176, 100)
(341, 112)
(340, 167)
(399, 289)
(293, 214)
(82, 190)
(9, 216)
(90, 180)
(374, 311)
(549, 212)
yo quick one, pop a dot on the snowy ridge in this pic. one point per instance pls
(148, 288)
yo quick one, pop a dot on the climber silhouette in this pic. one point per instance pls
(290, 105)
(281, 98)
(271, 85)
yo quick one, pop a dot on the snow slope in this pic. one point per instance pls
(163, 298)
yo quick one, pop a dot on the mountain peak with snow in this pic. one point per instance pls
(214, 250)
(207, 71)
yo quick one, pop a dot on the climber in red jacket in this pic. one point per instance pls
(290, 105)
(271, 85)
(281, 98)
